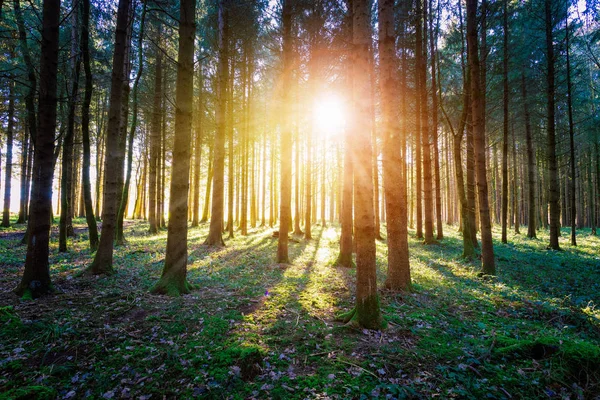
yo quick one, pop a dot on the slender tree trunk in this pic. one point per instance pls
(435, 122)
(36, 275)
(230, 149)
(419, 115)
(9, 151)
(67, 199)
(198, 148)
(24, 189)
(553, 186)
(285, 213)
(209, 178)
(487, 249)
(215, 234)
(120, 238)
(102, 263)
(155, 132)
(505, 95)
(573, 177)
(173, 280)
(85, 127)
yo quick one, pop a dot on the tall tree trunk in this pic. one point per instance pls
(198, 148)
(67, 199)
(215, 234)
(209, 179)
(155, 132)
(230, 150)
(173, 280)
(285, 212)
(398, 277)
(553, 186)
(24, 189)
(36, 275)
(435, 121)
(9, 151)
(120, 239)
(531, 214)
(573, 177)
(366, 313)
(487, 248)
(419, 68)
(102, 263)
(85, 126)
(504, 121)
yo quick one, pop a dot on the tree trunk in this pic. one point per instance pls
(198, 149)
(366, 313)
(24, 189)
(155, 132)
(36, 275)
(102, 263)
(120, 238)
(67, 199)
(553, 188)
(398, 277)
(504, 121)
(9, 151)
(173, 280)
(573, 176)
(285, 212)
(435, 121)
(487, 249)
(85, 127)
(215, 234)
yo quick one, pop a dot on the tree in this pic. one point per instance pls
(215, 235)
(173, 280)
(155, 127)
(36, 275)
(285, 207)
(85, 125)
(120, 238)
(505, 95)
(102, 263)
(67, 172)
(487, 248)
(9, 151)
(366, 312)
(553, 185)
(397, 234)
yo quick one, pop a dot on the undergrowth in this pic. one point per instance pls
(256, 329)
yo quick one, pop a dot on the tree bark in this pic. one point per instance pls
(9, 151)
(285, 212)
(173, 280)
(155, 132)
(85, 126)
(398, 277)
(504, 120)
(553, 185)
(366, 313)
(102, 263)
(487, 249)
(36, 275)
(215, 234)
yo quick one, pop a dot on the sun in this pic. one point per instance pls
(329, 114)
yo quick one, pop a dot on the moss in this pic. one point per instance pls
(574, 360)
(366, 314)
(172, 286)
(29, 392)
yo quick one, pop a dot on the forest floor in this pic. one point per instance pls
(256, 329)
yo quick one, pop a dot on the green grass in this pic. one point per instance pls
(256, 329)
